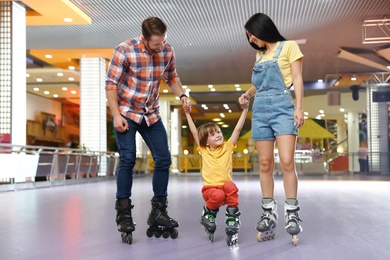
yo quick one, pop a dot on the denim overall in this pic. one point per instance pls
(273, 107)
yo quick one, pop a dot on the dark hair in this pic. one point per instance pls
(263, 28)
(204, 131)
(153, 26)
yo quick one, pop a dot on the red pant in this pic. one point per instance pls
(216, 196)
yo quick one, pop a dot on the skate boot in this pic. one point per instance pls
(233, 225)
(207, 220)
(124, 220)
(159, 222)
(267, 224)
(292, 220)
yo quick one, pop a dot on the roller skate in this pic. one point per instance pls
(207, 220)
(267, 224)
(159, 222)
(233, 225)
(292, 220)
(124, 220)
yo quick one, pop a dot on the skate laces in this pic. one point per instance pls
(292, 218)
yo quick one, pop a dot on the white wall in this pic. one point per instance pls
(37, 104)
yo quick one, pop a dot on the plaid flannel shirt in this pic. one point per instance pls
(136, 75)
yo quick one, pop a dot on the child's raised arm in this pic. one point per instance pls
(192, 127)
(240, 124)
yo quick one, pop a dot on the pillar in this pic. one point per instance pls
(377, 131)
(353, 141)
(12, 73)
(93, 112)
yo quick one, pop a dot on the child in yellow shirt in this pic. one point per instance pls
(218, 187)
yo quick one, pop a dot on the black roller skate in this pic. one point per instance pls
(207, 220)
(292, 220)
(267, 224)
(233, 225)
(124, 220)
(159, 222)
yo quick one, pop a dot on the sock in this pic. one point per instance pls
(293, 202)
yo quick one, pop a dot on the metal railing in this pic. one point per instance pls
(23, 164)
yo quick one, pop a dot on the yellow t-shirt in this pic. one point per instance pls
(217, 164)
(290, 53)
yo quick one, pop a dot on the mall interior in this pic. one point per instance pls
(58, 153)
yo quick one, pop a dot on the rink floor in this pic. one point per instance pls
(344, 217)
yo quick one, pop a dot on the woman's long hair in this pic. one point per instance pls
(263, 28)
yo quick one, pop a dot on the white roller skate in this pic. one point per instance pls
(267, 224)
(292, 220)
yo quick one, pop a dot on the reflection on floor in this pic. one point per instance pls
(344, 217)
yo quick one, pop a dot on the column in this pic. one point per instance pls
(93, 113)
(377, 131)
(12, 73)
(176, 146)
(353, 140)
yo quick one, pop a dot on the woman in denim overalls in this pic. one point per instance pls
(274, 118)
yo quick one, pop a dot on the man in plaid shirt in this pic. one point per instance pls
(132, 87)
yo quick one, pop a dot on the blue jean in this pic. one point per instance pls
(155, 137)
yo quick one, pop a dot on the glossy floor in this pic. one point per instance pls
(343, 218)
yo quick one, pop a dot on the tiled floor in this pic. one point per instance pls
(344, 217)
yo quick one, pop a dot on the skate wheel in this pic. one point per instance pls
(165, 234)
(157, 234)
(258, 237)
(127, 238)
(174, 234)
(149, 232)
(295, 240)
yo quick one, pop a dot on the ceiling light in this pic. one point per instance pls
(60, 74)
(353, 78)
(320, 80)
(64, 88)
(68, 20)
(165, 90)
(48, 56)
(46, 92)
(213, 89)
(73, 92)
(222, 115)
(216, 119)
(229, 110)
(237, 85)
(226, 106)
(27, 75)
(71, 79)
(36, 89)
(225, 126)
(238, 89)
(71, 67)
(306, 113)
(210, 86)
(342, 109)
(39, 79)
(184, 86)
(55, 95)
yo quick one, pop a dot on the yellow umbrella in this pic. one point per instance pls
(310, 129)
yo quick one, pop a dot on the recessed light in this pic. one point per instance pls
(39, 79)
(48, 56)
(71, 79)
(55, 95)
(71, 67)
(36, 89)
(73, 92)
(64, 88)
(68, 20)
(46, 92)
(60, 74)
